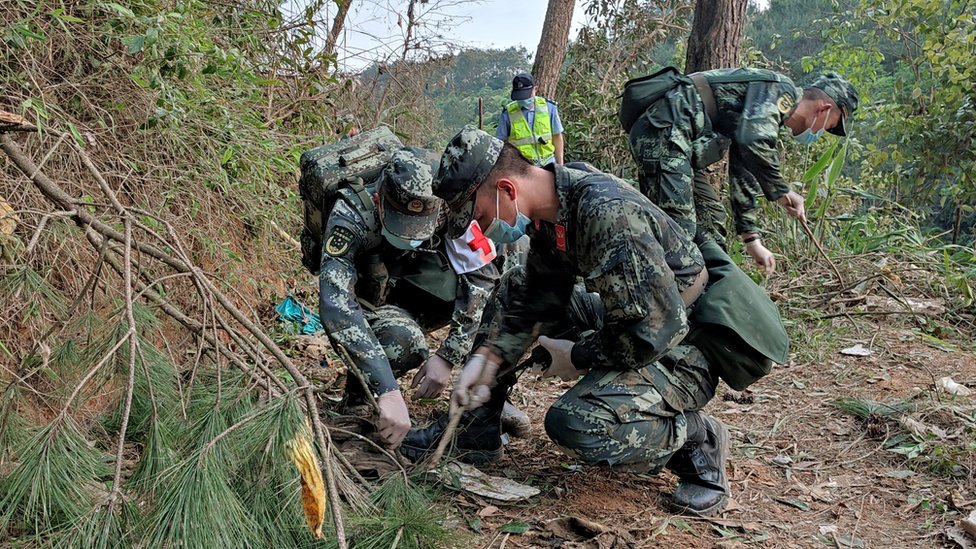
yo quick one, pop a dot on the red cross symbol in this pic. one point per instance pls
(478, 241)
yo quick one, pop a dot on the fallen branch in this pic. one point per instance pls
(813, 238)
(88, 221)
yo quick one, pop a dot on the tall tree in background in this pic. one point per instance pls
(552, 46)
(337, 23)
(715, 34)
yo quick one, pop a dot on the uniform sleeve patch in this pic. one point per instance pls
(785, 103)
(338, 242)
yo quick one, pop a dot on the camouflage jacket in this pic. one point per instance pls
(353, 273)
(750, 115)
(627, 250)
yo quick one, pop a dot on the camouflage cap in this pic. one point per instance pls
(842, 93)
(408, 207)
(466, 162)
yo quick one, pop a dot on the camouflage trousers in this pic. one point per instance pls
(630, 420)
(401, 337)
(662, 142)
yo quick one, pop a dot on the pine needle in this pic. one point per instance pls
(159, 387)
(53, 483)
(99, 529)
(197, 509)
(407, 515)
(864, 408)
(157, 456)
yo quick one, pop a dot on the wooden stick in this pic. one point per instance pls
(446, 437)
(820, 247)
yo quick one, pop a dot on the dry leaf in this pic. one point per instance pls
(8, 219)
(313, 489)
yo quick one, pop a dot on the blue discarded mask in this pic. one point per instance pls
(501, 232)
(808, 136)
(400, 242)
(527, 103)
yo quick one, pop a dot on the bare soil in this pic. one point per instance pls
(802, 473)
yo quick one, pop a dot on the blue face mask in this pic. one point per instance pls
(527, 103)
(501, 232)
(808, 136)
(399, 242)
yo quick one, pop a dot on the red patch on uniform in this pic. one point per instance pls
(479, 242)
(560, 238)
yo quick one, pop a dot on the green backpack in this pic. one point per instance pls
(640, 93)
(348, 163)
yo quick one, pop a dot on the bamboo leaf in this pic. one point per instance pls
(836, 165)
(818, 166)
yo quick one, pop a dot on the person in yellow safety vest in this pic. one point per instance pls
(532, 123)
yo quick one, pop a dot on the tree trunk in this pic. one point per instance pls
(715, 35)
(551, 52)
(340, 19)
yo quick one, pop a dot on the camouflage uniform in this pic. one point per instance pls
(367, 301)
(628, 411)
(667, 141)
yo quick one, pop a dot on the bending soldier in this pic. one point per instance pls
(638, 405)
(388, 276)
(690, 125)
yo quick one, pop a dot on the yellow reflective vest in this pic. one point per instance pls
(534, 143)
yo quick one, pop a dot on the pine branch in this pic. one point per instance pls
(130, 381)
(86, 220)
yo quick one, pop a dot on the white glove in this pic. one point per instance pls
(762, 256)
(394, 421)
(562, 362)
(793, 203)
(432, 378)
(473, 386)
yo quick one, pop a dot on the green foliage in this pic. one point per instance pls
(406, 517)
(158, 455)
(785, 31)
(913, 62)
(101, 529)
(619, 43)
(267, 482)
(54, 483)
(197, 508)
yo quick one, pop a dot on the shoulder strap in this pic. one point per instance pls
(705, 93)
(365, 200)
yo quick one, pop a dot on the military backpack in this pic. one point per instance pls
(348, 163)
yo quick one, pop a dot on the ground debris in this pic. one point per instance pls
(468, 478)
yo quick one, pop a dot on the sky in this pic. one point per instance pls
(371, 30)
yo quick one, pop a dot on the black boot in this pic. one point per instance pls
(703, 487)
(478, 436)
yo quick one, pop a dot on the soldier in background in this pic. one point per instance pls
(389, 276)
(689, 128)
(638, 404)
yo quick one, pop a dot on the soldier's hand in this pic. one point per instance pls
(394, 421)
(432, 378)
(762, 256)
(793, 203)
(562, 361)
(473, 386)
